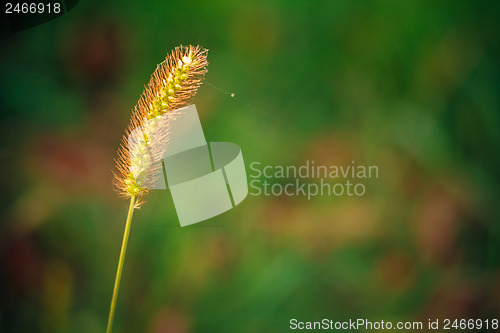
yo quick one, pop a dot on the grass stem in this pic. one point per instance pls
(120, 263)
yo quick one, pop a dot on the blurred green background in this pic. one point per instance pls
(412, 87)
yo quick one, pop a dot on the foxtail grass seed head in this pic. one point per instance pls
(172, 86)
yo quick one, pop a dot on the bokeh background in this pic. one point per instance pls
(412, 87)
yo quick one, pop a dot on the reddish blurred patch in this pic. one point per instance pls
(23, 266)
(169, 320)
(75, 164)
(331, 150)
(436, 223)
(395, 271)
(93, 53)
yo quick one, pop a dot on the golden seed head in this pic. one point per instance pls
(172, 86)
